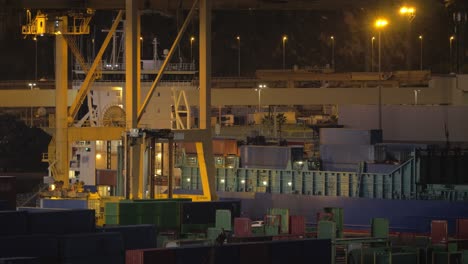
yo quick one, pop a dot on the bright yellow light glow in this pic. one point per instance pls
(285, 38)
(98, 156)
(381, 23)
(407, 10)
(192, 38)
(420, 36)
(141, 38)
(332, 37)
(238, 37)
(52, 187)
(452, 37)
(158, 155)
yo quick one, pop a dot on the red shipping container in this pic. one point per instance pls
(106, 177)
(297, 225)
(439, 233)
(242, 227)
(149, 256)
(462, 228)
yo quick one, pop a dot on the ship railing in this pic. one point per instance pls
(398, 184)
(107, 66)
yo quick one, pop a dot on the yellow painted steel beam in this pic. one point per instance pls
(61, 126)
(85, 86)
(95, 133)
(141, 111)
(319, 96)
(203, 153)
(32, 98)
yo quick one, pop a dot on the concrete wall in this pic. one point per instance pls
(409, 122)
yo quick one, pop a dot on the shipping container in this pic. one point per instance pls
(13, 223)
(44, 247)
(92, 248)
(134, 236)
(439, 232)
(61, 221)
(223, 220)
(346, 136)
(297, 225)
(242, 227)
(8, 191)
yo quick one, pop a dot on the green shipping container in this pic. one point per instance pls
(212, 233)
(326, 230)
(380, 228)
(284, 213)
(271, 230)
(258, 231)
(223, 220)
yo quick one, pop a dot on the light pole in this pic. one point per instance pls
(141, 47)
(451, 52)
(35, 63)
(285, 38)
(410, 13)
(259, 90)
(420, 52)
(192, 39)
(332, 38)
(31, 86)
(372, 53)
(238, 56)
(416, 92)
(380, 24)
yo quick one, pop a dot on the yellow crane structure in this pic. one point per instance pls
(70, 24)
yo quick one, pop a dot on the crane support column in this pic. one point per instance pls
(61, 111)
(205, 147)
(132, 83)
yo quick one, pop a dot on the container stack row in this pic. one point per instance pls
(34, 235)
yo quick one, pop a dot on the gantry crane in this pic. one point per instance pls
(65, 132)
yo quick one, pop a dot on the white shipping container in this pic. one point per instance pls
(347, 153)
(345, 136)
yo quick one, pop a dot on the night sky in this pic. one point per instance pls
(308, 43)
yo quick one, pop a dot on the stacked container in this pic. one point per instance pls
(284, 217)
(297, 225)
(8, 191)
(242, 227)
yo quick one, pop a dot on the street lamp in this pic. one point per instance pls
(380, 24)
(238, 56)
(285, 38)
(192, 39)
(451, 52)
(259, 90)
(372, 53)
(332, 38)
(421, 52)
(410, 13)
